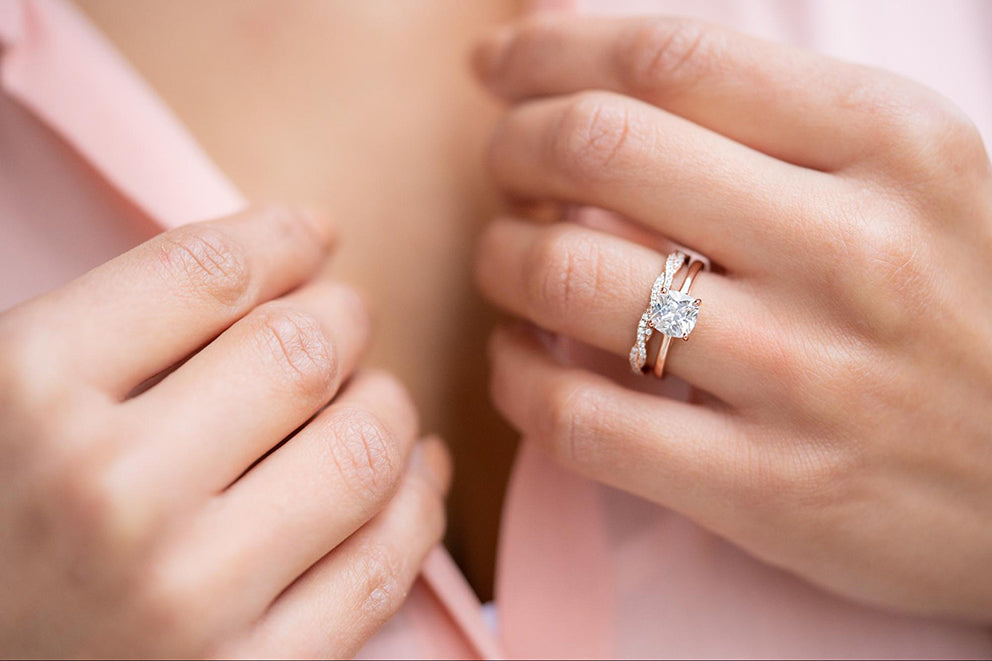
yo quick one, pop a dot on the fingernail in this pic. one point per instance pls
(322, 225)
(430, 458)
(487, 59)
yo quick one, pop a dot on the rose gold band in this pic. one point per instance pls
(666, 341)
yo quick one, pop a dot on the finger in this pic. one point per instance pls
(146, 310)
(792, 104)
(698, 188)
(333, 609)
(244, 393)
(594, 287)
(432, 459)
(302, 500)
(686, 457)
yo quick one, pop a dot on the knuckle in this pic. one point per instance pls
(569, 426)
(937, 135)
(890, 276)
(920, 133)
(167, 603)
(30, 372)
(823, 374)
(882, 262)
(93, 513)
(787, 362)
(295, 342)
(566, 270)
(894, 258)
(591, 133)
(818, 475)
(659, 56)
(205, 261)
(365, 454)
(379, 580)
(925, 115)
(809, 475)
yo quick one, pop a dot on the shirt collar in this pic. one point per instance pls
(58, 66)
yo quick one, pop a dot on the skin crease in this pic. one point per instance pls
(849, 445)
(386, 135)
(136, 537)
(852, 442)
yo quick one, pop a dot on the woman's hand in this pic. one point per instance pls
(149, 516)
(844, 347)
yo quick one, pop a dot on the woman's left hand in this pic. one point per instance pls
(844, 346)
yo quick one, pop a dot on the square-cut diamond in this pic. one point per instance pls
(674, 314)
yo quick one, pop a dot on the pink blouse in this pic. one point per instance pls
(92, 162)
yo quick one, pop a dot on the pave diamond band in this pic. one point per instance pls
(639, 352)
(671, 313)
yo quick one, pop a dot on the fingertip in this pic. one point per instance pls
(322, 225)
(391, 395)
(489, 55)
(361, 305)
(432, 457)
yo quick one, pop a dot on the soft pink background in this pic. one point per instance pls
(91, 162)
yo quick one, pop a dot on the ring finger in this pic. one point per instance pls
(245, 392)
(353, 590)
(594, 287)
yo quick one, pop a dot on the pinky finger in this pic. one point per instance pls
(689, 458)
(333, 609)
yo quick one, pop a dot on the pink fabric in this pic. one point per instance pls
(653, 583)
(91, 163)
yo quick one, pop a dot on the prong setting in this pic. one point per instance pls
(671, 312)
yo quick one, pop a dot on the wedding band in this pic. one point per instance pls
(679, 311)
(671, 313)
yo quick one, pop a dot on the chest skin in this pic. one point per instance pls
(366, 110)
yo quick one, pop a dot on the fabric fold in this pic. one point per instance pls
(62, 70)
(59, 67)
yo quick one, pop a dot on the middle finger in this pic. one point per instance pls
(245, 392)
(694, 186)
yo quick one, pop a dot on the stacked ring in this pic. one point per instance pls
(671, 313)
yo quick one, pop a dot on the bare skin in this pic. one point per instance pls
(842, 353)
(200, 493)
(368, 111)
(849, 444)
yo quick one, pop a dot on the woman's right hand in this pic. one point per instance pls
(151, 516)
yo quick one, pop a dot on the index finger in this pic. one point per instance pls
(146, 310)
(795, 105)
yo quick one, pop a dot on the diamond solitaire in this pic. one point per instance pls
(671, 312)
(674, 314)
